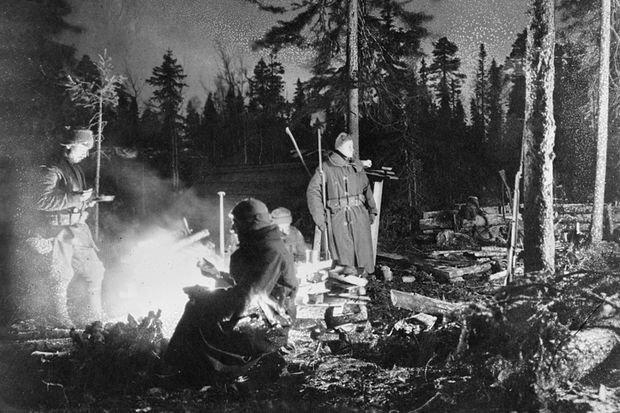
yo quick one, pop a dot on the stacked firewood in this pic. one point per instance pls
(333, 302)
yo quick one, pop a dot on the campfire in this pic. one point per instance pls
(160, 265)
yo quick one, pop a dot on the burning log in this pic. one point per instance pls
(422, 304)
(191, 239)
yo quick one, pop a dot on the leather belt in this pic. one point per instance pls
(65, 219)
(346, 201)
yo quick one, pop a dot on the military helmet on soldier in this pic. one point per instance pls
(251, 214)
(80, 136)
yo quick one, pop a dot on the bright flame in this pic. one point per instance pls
(157, 272)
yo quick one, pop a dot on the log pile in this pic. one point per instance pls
(324, 290)
(452, 266)
(335, 303)
(568, 218)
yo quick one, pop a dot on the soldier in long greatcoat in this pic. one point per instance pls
(350, 209)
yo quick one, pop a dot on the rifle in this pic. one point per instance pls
(514, 225)
(324, 197)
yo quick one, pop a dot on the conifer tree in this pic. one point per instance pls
(209, 127)
(322, 26)
(168, 81)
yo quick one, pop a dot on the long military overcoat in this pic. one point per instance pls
(347, 214)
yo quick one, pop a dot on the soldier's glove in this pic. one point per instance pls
(371, 218)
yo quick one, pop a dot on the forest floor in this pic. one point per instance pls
(388, 366)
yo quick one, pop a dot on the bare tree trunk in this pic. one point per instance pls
(98, 166)
(596, 231)
(353, 112)
(539, 136)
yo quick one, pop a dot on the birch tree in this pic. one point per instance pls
(94, 96)
(596, 231)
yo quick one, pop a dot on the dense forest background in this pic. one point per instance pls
(414, 116)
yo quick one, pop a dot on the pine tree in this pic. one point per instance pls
(444, 74)
(322, 26)
(538, 135)
(496, 115)
(509, 151)
(209, 127)
(32, 61)
(495, 109)
(301, 119)
(168, 81)
(267, 109)
(479, 101)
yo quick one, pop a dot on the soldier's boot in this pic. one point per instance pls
(60, 313)
(94, 310)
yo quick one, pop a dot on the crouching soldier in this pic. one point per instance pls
(61, 235)
(292, 237)
(228, 330)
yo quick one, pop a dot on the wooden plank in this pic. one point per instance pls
(350, 279)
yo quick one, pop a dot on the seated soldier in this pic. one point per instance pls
(292, 237)
(228, 329)
(481, 231)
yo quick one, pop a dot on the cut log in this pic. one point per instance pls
(498, 276)
(311, 311)
(573, 208)
(422, 304)
(350, 279)
(444, 273)
(351, 297)
(584, 352)
(391, 256)
(50, 354)
(427, 320)
(335, 301)
(350, 313)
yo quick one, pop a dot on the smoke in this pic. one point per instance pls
(143, 229)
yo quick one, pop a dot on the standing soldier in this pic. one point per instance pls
(350, 207)
(63, 235)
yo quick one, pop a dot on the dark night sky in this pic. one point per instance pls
(136, 33)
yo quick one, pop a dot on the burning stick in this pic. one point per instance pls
(187, 241)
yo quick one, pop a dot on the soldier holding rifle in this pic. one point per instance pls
(344, 207)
